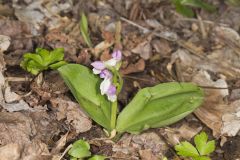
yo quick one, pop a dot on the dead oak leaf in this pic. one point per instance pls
(134, 68)
(144, 49)
(73, 114)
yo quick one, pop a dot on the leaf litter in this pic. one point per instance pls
(156, 42)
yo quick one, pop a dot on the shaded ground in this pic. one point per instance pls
(39, 117)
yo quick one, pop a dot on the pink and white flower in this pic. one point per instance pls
(101, 67)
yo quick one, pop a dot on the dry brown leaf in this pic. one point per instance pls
(174, 135)
(4, 43)
(42, 12)
(10, 151)
(16, 128)
(134, 68)
(36, 151)
(147, 155)
(17, 106)
(13, 28)
(190, 64)
(221, 117)
(150, 141)
(59, 144)
(144, 49)
(131, 145)
(28, 132)
(101, 47)
(10, 96)
(231, 120)
(73, 114)
(161, 46)
(229, 37)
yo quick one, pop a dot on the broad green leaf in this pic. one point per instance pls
(56, 55)
(201, 158)
(184, 10)
(79, 152)
(198, 4)
(57, 65)
(159, 106)
(73, 158)
(44, 54)
(80, 149)
(97, 157)
(84, 30)
(81, 143)
(35, 57)
(84, 85)
(204, 147)
(186, 149)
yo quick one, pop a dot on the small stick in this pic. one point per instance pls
(18, 79)
(145, 30)
(202, 27)
(69, 147)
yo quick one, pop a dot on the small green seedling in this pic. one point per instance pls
(43, 60)
(84, 30)
(184, 6)
(200, 151)
(81, 150)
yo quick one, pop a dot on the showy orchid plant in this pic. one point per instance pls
(97, 93)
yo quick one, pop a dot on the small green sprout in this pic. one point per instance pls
(43, 60)
(200, 152)
(81, 150)
(84, 30)
(183, 6)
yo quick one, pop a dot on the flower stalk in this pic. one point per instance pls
(112, 81)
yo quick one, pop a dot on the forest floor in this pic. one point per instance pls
(39, 118)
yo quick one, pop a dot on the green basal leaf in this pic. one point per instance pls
(84, 30)
(204, 147)
(186, 149)
(183, 10)
(198, 4)
(97, 157)
(159, 106)
(85, 87)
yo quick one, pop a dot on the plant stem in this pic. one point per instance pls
(113, 115)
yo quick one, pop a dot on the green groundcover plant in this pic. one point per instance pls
(43, 60)
(80, 150)
(97, 93)
(201, 151)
